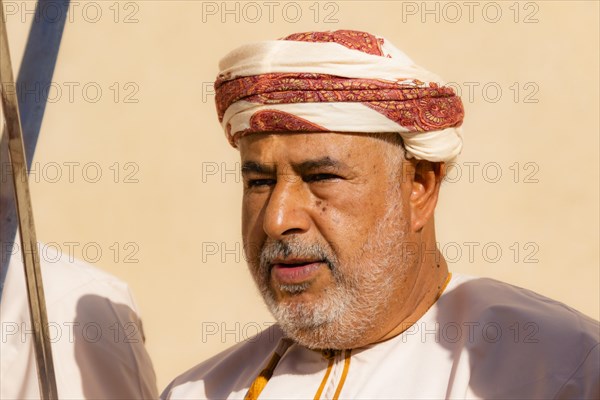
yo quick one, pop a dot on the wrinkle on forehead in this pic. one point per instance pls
(301, 147)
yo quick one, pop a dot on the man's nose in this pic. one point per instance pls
(287, 209)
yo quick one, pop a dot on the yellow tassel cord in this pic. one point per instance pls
(261, 380)
(344, 374)
(324, 381)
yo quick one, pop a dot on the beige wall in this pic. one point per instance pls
(168, 213)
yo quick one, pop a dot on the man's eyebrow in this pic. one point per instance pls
(253, 166)
(325, 162)
(301, 167)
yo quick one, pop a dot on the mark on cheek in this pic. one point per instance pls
(319, 204)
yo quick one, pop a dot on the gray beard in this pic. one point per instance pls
(357, 300)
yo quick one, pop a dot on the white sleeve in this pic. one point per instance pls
(96, 334)
(585, 381)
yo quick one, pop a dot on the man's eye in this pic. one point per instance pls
(320, 177)
(260, 182)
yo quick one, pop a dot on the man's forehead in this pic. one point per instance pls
(326, 148)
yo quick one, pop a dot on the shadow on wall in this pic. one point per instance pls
(35, 77)
(110, 352)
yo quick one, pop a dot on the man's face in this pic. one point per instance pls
(324, 219)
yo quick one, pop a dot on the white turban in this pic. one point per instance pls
(342, 81)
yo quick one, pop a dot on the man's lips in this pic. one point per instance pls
(290, 272)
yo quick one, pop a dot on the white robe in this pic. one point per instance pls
(482, 339)
(97, 339)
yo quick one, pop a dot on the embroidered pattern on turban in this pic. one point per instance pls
(341, 81)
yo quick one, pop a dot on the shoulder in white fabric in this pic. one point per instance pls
(96, 334)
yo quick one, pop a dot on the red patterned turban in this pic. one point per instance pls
(341, 81)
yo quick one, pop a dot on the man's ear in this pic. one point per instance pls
(424, 192)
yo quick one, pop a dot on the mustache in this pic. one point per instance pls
(278, 249)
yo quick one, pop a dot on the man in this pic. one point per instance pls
(343, 141)
(96, 334)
